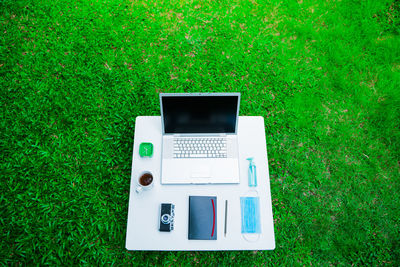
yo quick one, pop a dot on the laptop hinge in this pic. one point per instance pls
(200, 135)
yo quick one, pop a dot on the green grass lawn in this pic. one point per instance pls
(74, 75)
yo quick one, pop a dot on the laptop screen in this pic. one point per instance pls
(200, 114)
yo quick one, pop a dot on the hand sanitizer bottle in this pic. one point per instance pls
(252, 173)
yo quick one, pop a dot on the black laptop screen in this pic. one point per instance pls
(200, 114)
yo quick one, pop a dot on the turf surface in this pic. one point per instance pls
(74, 75)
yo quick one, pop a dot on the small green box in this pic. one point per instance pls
(146, 150)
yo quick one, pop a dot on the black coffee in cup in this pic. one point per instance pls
(146, 179)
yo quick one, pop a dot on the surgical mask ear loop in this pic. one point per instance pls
(251, 241)
(252, 193)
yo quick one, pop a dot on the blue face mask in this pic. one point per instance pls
(250, 210)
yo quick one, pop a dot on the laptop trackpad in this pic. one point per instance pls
(201, 171)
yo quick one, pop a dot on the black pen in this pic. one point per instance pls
(226, 215)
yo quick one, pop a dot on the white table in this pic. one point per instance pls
(144, 208)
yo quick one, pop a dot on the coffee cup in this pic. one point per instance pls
(144, 181)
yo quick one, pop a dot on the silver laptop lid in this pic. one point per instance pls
(199, 113)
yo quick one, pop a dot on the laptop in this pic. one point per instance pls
(199, 138)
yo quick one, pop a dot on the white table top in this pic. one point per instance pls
(144, 208)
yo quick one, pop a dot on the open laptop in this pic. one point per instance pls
(199, 143)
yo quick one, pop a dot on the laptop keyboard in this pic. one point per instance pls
(204, 147)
